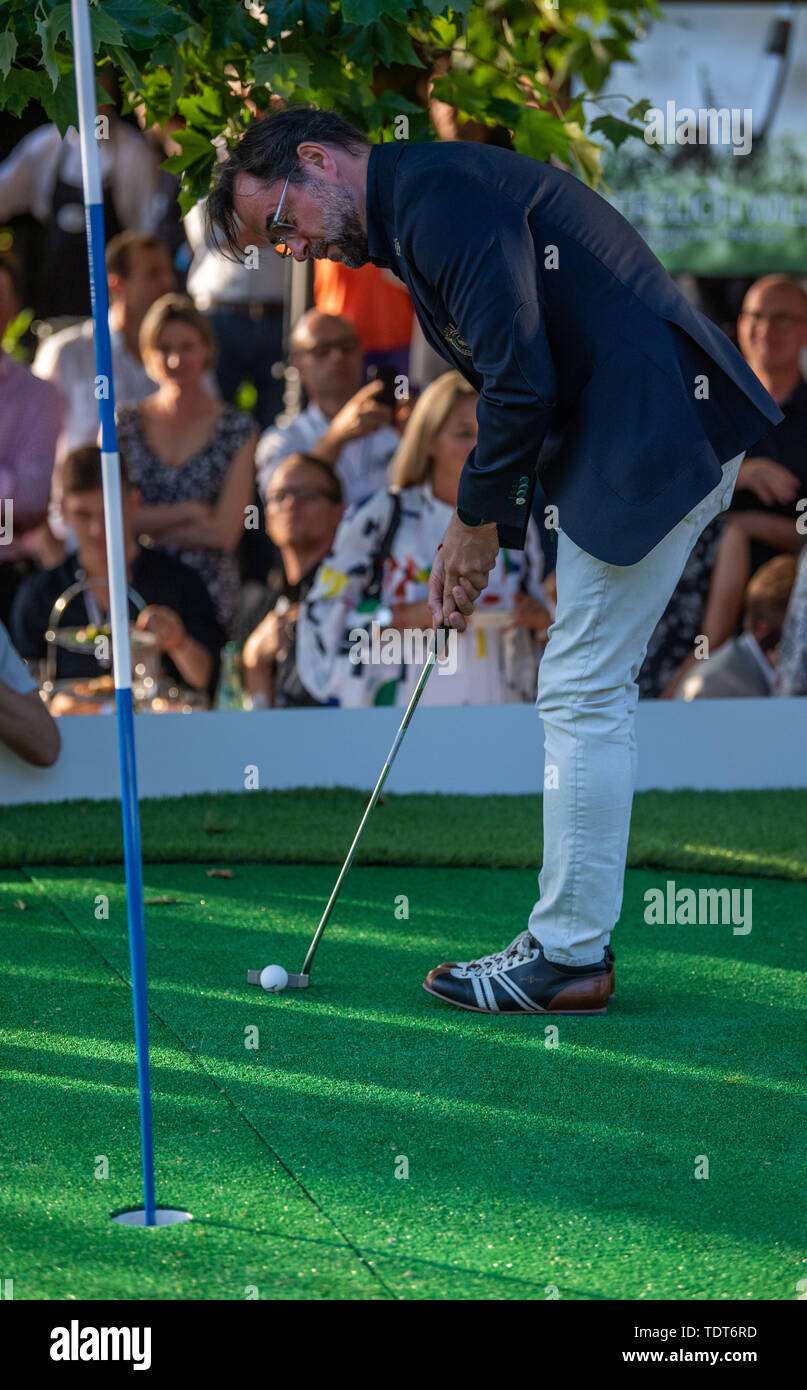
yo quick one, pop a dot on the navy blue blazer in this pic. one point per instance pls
(590, 364)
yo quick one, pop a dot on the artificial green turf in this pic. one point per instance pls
(747, 832)
(530, 1168)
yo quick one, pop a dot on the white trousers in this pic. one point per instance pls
(587, 697)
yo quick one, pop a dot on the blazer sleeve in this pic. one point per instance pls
(474, 246)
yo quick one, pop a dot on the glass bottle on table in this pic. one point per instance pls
(230, 689)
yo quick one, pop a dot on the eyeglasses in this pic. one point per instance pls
(321, 350)
(781, 322)
(295, 494)
(277, 229)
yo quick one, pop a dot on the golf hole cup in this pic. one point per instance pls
(274, 979)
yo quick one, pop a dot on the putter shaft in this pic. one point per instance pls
(411, 707)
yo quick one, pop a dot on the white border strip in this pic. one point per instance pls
(721, 745)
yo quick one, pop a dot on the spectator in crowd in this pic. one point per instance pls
(379, 572)
(191, 456)
(791, 659)
(179, 610)
(244, 304)
(30, 415)
(138, 272)
(343, 424)
(377, 304)
(303, 510)
(26, 726)
(745, 665)
(42, 176)
(761, 521)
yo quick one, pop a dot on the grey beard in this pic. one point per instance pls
(341, 225)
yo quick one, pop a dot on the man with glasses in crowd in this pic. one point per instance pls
(772, 334)
(592, 371)
(343, 424)
(303, 509)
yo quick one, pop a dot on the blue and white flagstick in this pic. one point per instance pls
(84, 62)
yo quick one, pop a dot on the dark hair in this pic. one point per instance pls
(119, 251)
(8, 263)
(331, 479)
(81, 471)
(268, 151)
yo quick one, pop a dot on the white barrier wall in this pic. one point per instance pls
(705, 744)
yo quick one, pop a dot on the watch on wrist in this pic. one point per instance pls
(383, 615)
(468, 520)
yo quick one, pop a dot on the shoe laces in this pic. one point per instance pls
(522, 949)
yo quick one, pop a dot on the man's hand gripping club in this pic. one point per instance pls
(460, 572)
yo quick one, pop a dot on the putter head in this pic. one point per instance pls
(295, 981)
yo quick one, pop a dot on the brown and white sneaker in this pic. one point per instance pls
(520, 980)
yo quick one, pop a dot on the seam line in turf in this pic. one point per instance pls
(348, 1242)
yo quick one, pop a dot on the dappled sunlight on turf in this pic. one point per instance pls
(529, 1164)
(64, 974)
(747, 862)
(113, 1052)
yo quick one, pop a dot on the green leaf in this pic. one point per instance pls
(459, 7)
(8, 47)
(539, 134)
(128, 66)
(462, 91)
(309, 16)
(162, 55)
(195, 185)
(60, 104)
(445, 31)
(194, 146)
(393, 103)
(177, 79)
(141, 21)
(50, 30)
(104, 28)
(588, 157)
(636, 112)
(22, 86)
(203, 109)
(366, 12)
(385, 42)
(615, 130)
(284, 72)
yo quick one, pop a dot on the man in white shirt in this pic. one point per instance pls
(42, 176)
(139, 271)
(343, 424)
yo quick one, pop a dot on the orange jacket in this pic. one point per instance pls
(380, 311)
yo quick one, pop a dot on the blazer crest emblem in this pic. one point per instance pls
(452, 333)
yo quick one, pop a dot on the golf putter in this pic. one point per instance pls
(301, 981)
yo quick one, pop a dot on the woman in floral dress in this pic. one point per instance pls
(191, 456)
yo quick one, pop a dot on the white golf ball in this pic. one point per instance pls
(274, 978)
